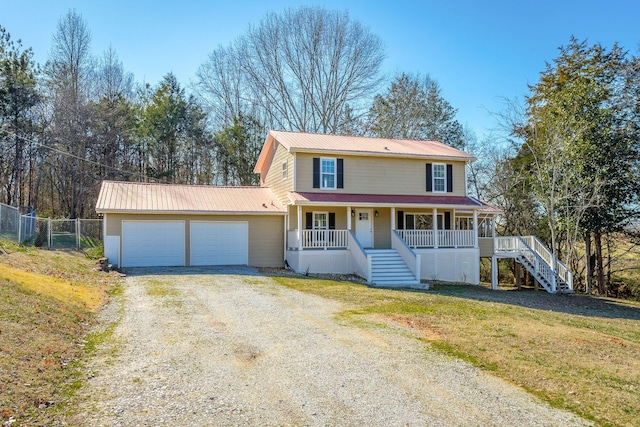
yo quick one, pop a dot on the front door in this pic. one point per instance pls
(364, 227)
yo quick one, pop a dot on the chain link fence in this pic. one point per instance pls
(49, 233)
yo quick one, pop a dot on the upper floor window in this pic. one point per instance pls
(439, 178)
(328, 173)
(285, 170)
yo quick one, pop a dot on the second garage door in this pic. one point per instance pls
(219, 243)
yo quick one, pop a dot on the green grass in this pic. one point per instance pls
(577, 353)
(48, 301)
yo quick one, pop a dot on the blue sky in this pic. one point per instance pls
(479, 51)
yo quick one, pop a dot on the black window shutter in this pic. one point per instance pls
(332, 220)
(447, 220)
(400, 222)
(316, 172)
(429, 178)
(449, 178)
(340, 167)
(309, 224)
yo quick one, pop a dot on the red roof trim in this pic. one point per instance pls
(395, 199)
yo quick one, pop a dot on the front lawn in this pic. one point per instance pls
(575, 352)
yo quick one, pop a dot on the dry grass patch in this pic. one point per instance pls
(577, 353)
(48, 302)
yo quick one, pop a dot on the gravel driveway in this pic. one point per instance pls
(227, 346)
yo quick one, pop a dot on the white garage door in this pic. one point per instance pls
(153, 243)
(219, 243)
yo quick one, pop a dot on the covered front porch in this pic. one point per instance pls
(433, 242)
(329, 227)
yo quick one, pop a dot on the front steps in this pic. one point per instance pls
(389, 269)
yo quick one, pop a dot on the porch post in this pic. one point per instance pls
(494, 272)
(299, 227)
(435, 228)
(475, 228)
(348, 217)
(493, 226)
(393, 218)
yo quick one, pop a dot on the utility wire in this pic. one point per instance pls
(78, 157)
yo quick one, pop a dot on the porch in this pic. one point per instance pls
(415, 239)
(373, 241)
(328, 227)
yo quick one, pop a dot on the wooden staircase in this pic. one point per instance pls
(529, 251)
(389, 269)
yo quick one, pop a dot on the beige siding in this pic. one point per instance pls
(379, 175)
(266, 233)
(382, 229)
(274, 180)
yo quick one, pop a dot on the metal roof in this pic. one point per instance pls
(141, 197)
(461, 202)
(296, 142)
(299, 142)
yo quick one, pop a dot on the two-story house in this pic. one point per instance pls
(391, 211)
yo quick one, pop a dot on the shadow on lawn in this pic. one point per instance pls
(583, 305)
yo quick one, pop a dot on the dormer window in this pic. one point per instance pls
(285, 170)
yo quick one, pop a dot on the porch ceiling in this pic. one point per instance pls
(391, 200)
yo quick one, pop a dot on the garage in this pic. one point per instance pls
(219, 243)
(153, 243)
(166, 225)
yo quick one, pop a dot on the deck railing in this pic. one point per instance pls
(319, 239)
(445, 238)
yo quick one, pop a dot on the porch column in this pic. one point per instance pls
(494, 272)
(475, 228)
(348, 217)
(299, 228)
(393, 218)
(435, 227)
(493, 226)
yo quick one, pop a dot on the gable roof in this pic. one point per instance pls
(298, 142)
(142, 197)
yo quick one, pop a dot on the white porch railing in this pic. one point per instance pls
(319, 239)
(445, 238)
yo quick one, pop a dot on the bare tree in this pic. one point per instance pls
(112, 81)
(413, 108)
(306, 69)
(69, 70)
(222, 88)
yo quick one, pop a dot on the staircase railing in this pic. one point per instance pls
(359, 256)
(410, 258)
(540, 258)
